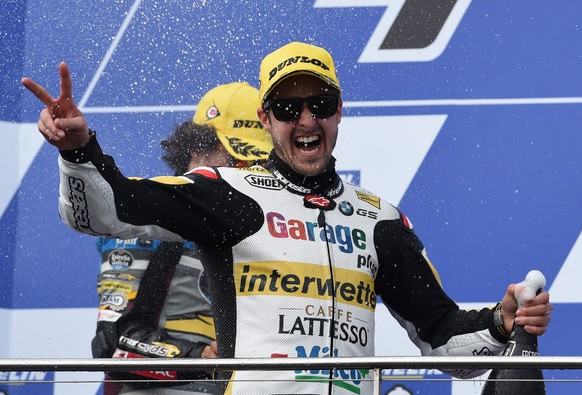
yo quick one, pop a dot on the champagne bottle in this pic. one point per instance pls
(520, 381)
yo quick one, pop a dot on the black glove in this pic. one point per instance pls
(142, 342)
(104, 343)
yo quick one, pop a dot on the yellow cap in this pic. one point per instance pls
(232, 110)
(296, 58)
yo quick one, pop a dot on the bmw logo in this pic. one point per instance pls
(346, 208)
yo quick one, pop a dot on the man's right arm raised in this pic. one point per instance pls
(86, 197)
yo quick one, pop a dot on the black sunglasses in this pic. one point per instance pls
(289, 109)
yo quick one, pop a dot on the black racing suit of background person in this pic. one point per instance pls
(153, 303)
(294, 264)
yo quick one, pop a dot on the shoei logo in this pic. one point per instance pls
(297, 59)
(265, 182)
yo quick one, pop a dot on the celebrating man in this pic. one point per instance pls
(293, 270)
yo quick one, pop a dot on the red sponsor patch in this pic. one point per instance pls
(126, 354)
(406, 221)
(318, 200)
(158, 375)
(206, 172)
(275, 355)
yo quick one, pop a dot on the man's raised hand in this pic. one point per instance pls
(61, 123)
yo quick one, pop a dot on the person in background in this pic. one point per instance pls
(153, 298)
(294, 257)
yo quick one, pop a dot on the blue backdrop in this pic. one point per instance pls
(493, 188)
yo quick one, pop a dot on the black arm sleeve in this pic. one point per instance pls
(409, 284)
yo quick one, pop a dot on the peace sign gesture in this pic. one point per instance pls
(61, 123)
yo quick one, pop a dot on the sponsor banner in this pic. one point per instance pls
(415, 381)
(24, 383)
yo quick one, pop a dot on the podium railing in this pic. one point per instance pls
(375, 364)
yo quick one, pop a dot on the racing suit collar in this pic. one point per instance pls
(328, 183)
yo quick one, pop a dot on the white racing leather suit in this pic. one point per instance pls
(294, 264)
